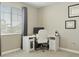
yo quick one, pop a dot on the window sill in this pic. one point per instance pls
(11, 34)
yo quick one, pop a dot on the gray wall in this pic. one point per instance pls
(53, 18)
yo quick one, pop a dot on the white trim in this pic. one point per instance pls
(9, 51)
(69, 50)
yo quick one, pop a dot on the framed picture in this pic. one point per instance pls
(73, 11)
(70, 24)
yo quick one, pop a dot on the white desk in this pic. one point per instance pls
(54, 43)
(30, 40)
(28, 43)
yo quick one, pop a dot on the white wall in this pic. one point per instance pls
(53, 18)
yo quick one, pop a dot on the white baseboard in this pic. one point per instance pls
(65, 49)
(9, 51)
(69, 50)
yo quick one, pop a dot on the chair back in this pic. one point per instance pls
(42, 36)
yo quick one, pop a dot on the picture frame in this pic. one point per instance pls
(70, 24)
(73, 11)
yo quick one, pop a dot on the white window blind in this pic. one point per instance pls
(11, 20)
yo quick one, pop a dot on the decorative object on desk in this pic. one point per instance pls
(56, 33)
(73, 11)
(70, 24)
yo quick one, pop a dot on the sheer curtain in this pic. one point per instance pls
(0, 29)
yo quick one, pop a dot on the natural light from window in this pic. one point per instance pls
(11, 20)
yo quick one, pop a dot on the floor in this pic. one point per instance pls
(40, 53)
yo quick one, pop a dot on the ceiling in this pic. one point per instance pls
(38, 4)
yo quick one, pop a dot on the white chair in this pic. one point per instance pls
(42, 38)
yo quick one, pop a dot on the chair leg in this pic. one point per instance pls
(43, 49)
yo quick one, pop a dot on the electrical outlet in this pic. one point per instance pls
(73, 43)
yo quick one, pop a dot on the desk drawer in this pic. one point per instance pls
(51, 44)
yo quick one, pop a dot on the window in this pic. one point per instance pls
(11, 20)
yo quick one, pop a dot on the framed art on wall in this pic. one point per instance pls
(70, 24)
(73, 11)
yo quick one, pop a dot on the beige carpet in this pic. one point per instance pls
(40, 53)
